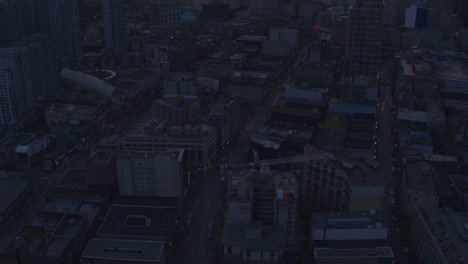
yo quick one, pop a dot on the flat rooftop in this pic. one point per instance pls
(254, 237)
(14, 140)
(88, 205)
(419, 175)
(70, 225)
(449, 231)
(379, 252)
(332, 133)
(348, 220)
(138, 222)
(12, 184)
(124, 250)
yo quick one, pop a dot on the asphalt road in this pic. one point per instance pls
(205, 201)
(385, 119)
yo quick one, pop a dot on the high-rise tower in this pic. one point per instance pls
(363, 41)
(16, 94)
(115, 25)
(65, 30)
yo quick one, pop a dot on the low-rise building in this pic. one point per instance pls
(267, 197)
(118, 251)
(199, 141)
(8, 147)
(178, 110)
(253, 243)
(354, 229)
(439, 236)
(151, 174)
(417, 185)
(380, 255)
(14, 191)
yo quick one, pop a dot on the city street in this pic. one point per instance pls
(385, 145)
(205, 200)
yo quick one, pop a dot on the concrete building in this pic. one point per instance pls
(266, 197)
(363, 43)
(439, 236)
(64, 113)
(264, 7)
(299, 105)
(16, 91)
(198, 141)
(252, 243)
(115, 25)
(380, 255)
(345, 183)
(225, 117)
(8, 20)
(349, 229)
(418, 185)
(139, 221)
(114, 250)
(101, 168)
(416, 17)
(181, 84)
(285, 34)
(66, 235)
(151, 174)
(8, 146)
(43, 63)
(165, 16)
(15, 190)
(179, 110)
(65, 30)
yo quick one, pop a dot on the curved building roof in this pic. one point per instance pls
(88, 82)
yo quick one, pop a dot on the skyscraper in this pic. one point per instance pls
(364, 39)
(65, 30)
(115, 25)
(16, 95)
(8, 30)
(43, 62)
(165, 16)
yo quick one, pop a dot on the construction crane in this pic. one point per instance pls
(259, 164)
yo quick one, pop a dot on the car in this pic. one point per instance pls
(394, 218)
(397, 230)
(406, 249)
(221, 180)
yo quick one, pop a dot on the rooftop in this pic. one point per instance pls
(379, 252)
(332, 132)
(254, 237)
(348, 220)
(270, 179)
(124, 250)
(12, 184)
(419, 175)
(14, 140)
(69, 226)
(248, 38)
(449, 231)
(138, 222)
(88, 205)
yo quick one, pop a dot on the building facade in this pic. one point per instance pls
(115, 25)
(151, 174)
(15, 87)
(364, 38)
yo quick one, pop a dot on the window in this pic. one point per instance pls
(229, 250)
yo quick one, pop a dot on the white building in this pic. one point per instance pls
(151, 174)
